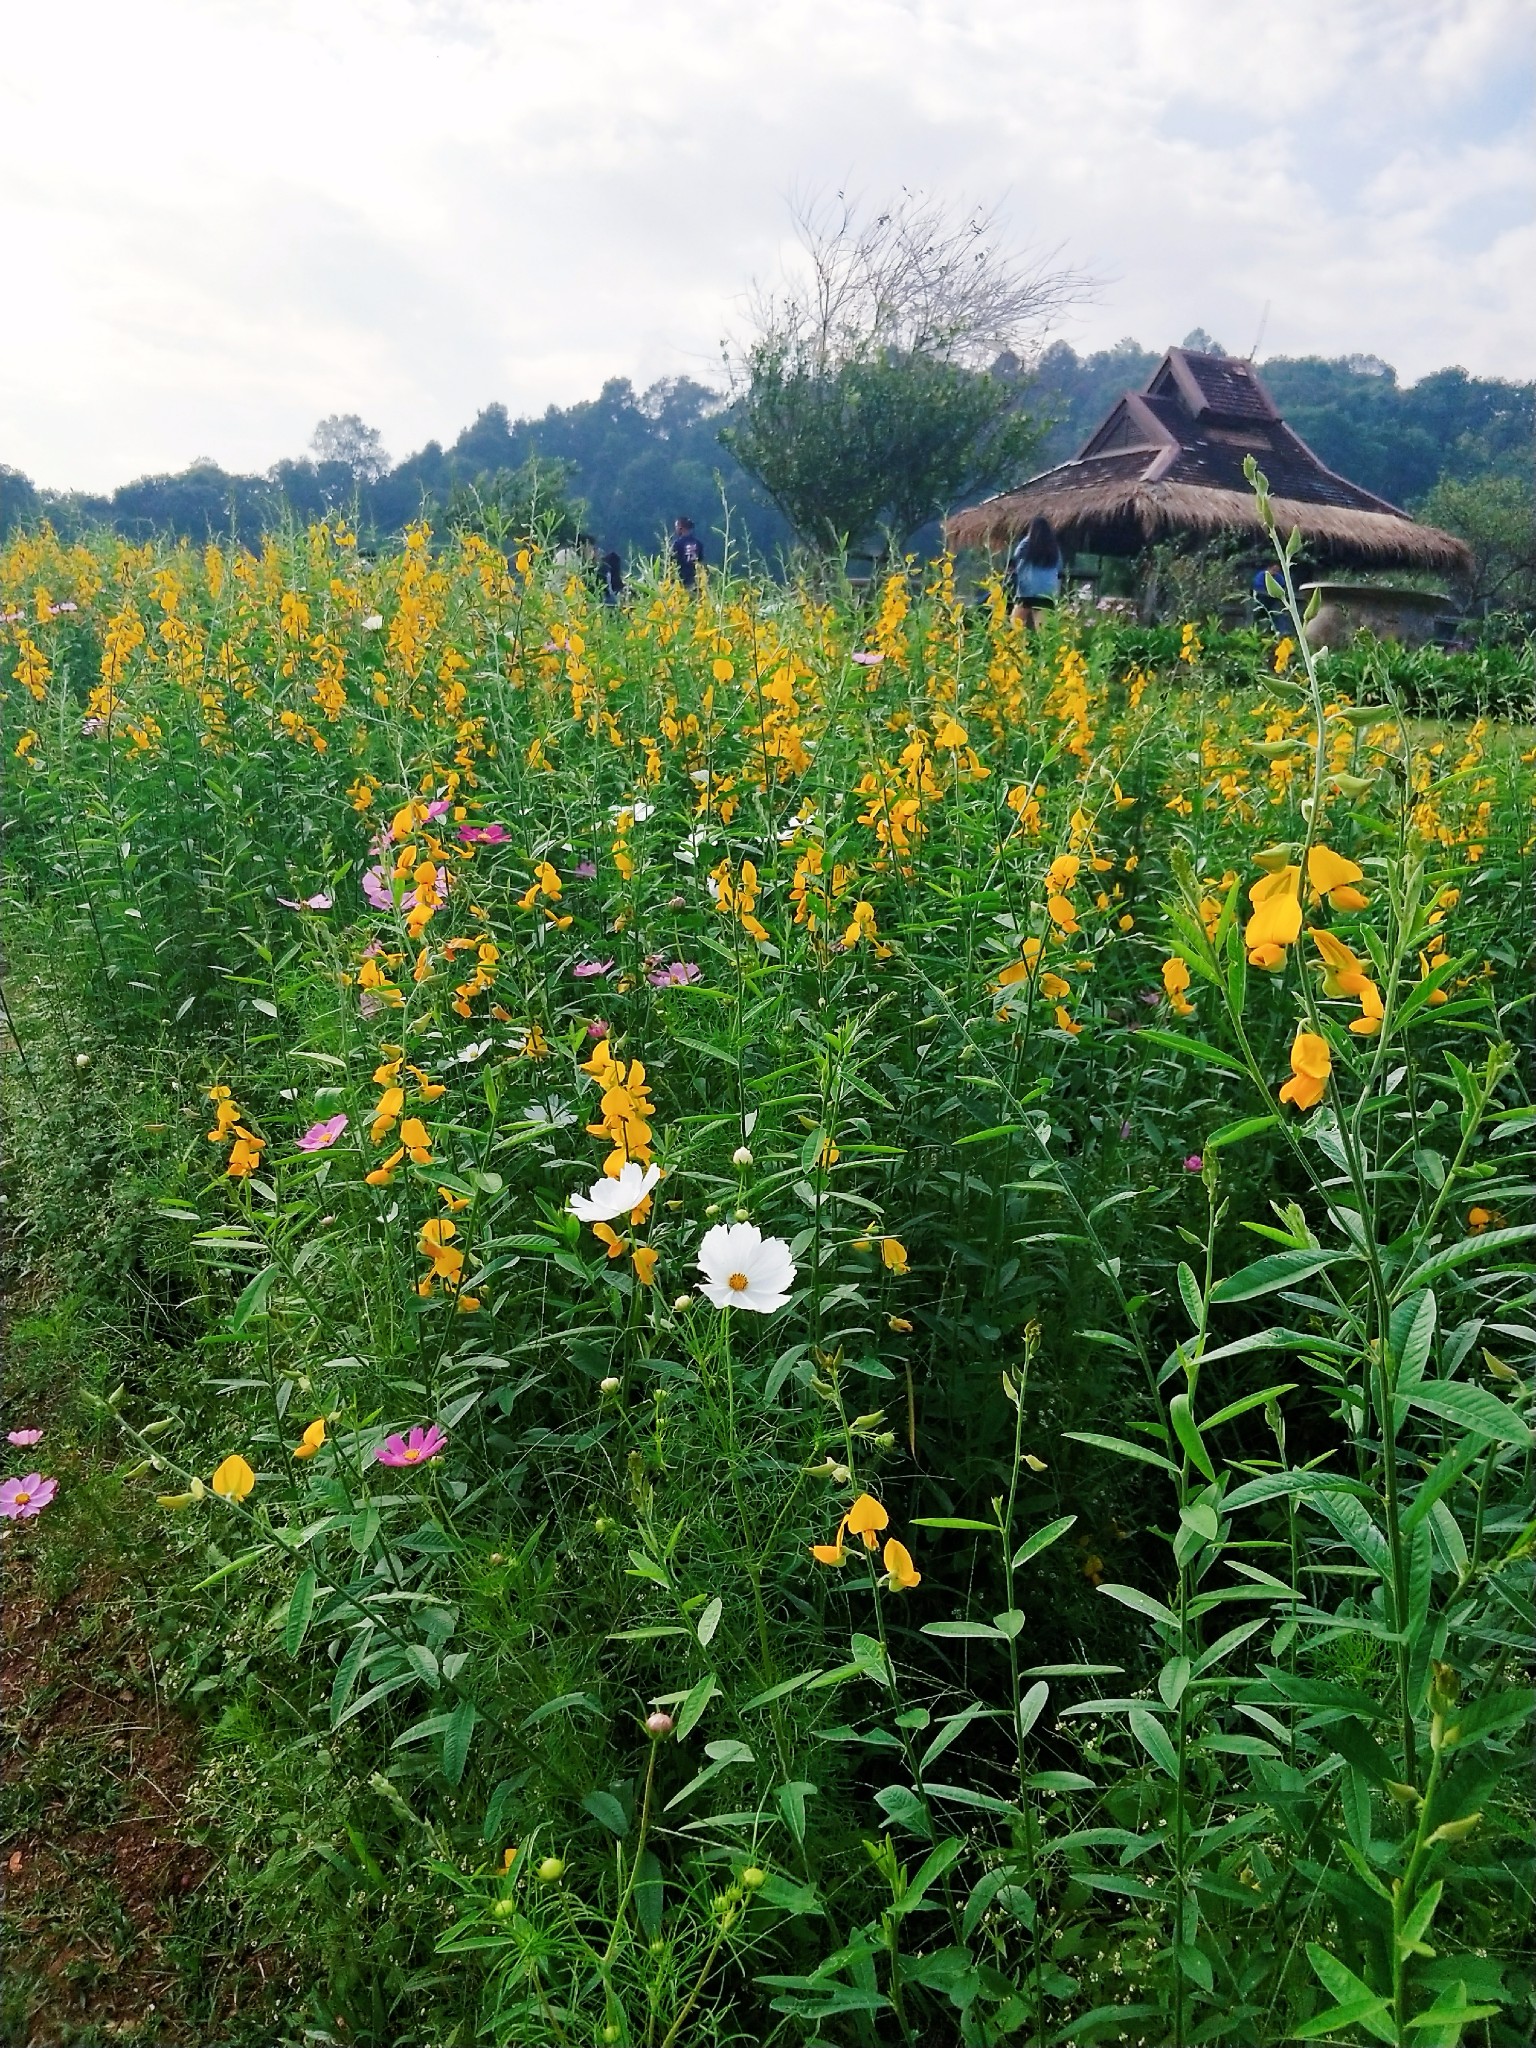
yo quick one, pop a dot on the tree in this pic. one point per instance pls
(1496, 517)
(863, 397)
(345, 438)
(19, 500)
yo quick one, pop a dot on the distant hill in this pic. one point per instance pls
(627, 462)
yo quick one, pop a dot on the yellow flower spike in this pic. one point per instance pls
(900, 1572)
(866, 1518)
(643, 1258)
(893, 1254)
(1368, 1023)
(1311, 1064)
(311, 1440)
(234, 1478)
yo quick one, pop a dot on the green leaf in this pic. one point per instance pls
(300, 1607)
(1355, 2012)
(1122, 1449)
(1468, 1248)
(1194, 1049)
(1234, 1134)
(1042, 1539)
(953, 1522)
(607, 1811)
(226, 1571)
(456, 1739)
(346, 1672)
(709, 1621)
(1141, 1603)
(691, 1712)
(1269, 1275)
(1189, 1294)
(1235, 1408)
(979, 1631)
(253, 1300)
(1187, 1431)
(1153, 1737)
(1470, 1407)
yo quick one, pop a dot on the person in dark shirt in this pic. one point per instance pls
(687, 553)
(611, 572)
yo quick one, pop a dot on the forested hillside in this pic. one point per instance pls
(625, 462)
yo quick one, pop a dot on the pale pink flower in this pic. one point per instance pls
(319, 901)
(319, 1137)
(20, 1499)
(676, 975)
(484, 835)
(419, 1448)
(590, 970)
(24, 1438)
(866, 660)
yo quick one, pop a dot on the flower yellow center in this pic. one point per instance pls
(412, 1456)
(738, 1283)
(23, 1498)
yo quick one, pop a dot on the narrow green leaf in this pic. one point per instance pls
(1193, 1049)
(1468, 1248)
(1141, 1603)
(691, 1712)
(300, 1607)
(1042, 1539)
(1470, 1407)
(456, 1739)
(1153, 1737)
(1187, 1431)
(1269, 1275)
(1122, 1449)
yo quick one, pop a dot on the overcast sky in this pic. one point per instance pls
(222, 219)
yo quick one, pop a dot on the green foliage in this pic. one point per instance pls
(1496, 516)
(876, 444)
(1164, 1445)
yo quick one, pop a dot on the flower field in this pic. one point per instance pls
(829, 1315)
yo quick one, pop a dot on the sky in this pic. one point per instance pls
(225, 219)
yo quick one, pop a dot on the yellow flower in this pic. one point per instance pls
(1311, 1064)
(900, 1572)
(643, 1258)
(1175, 983)
(311, 1440)
(234, 1478)
(899, 1324)
(894, 1254)
(1480, 1219)
(435, 1243)
(384, 1172)
(1333, 876)
(1276, 919)
(1283, 653)
(865, 1518)
(413, 1136)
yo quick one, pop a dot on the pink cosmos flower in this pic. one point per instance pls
(10, 618)
(867, 660)
(22, 1498)
(418, 1448)
(1194, 1163)
(437, 807)
(484, 835)
(89, 727)
(376, 888)
(597, 1028)
(320, 1137)
(24, 1438)
(589, 970)
(676, 975)
(319, 901)
(585, 870)
(66, 606)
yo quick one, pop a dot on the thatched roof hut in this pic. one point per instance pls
(1168, 461)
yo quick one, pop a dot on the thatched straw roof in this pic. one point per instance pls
(1169, 460)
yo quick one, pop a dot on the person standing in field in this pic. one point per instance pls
(1034, 572)
(687, 553)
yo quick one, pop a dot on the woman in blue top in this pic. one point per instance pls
(1034, 572)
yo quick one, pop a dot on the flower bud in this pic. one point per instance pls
(1456, 1830)
(682, 1304)
(743, 1215)
(658, 1724)
(610, 1385)
(886, 1440)
(604, 1525)
(753, 1879)
(840, 1474)
(713, 1209)
(551, 1870)
(742, 1156)
(503, 1909)
(82, 1060)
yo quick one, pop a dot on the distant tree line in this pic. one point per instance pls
(621, 465)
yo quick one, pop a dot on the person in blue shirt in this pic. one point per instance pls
(687, 553)
(1034, 572)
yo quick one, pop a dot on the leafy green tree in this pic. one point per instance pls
(346, 439)
(1496, 517)
(863, 400)
(20, 503)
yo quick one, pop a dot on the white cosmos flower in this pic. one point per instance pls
(744, 1269)
(615, 1194)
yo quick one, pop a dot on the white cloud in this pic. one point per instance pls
(224, 218)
